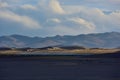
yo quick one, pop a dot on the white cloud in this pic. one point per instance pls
(77, 19)
(72, 9)
(56, 7)
(114, 20)
(94, 18)
(28, 6)
(83, 23)
(68, 30)
(24, 20)
(55, 20)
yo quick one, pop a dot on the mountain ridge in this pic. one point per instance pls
(101, 40)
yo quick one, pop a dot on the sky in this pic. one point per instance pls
(58, 17)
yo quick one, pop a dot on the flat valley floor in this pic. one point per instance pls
(59, 68)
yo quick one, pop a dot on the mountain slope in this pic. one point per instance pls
(111, 39)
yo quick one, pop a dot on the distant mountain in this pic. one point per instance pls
(108, 40)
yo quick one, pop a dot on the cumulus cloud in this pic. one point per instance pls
(77, 19)
(68, 30)
(83, 23)
(55, 20)
(56, 7)
(24, 20)
(28, 6)
(114, 19)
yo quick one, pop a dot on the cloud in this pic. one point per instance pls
(24, 20)
(11, 0)
(56, 7)
(83, 23)
(3, 4)
(101, 4)
(68, 30)
(62, 16)
(28, 6)
(55, 20)
(104, 22)
(65, 30)
(114, 19)
(113, 2)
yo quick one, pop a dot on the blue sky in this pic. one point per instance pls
(58, 17)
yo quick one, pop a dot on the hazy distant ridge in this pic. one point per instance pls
(111, 39)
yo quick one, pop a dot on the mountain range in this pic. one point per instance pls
(96, 40)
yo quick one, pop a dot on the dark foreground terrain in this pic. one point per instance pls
(72, 67)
